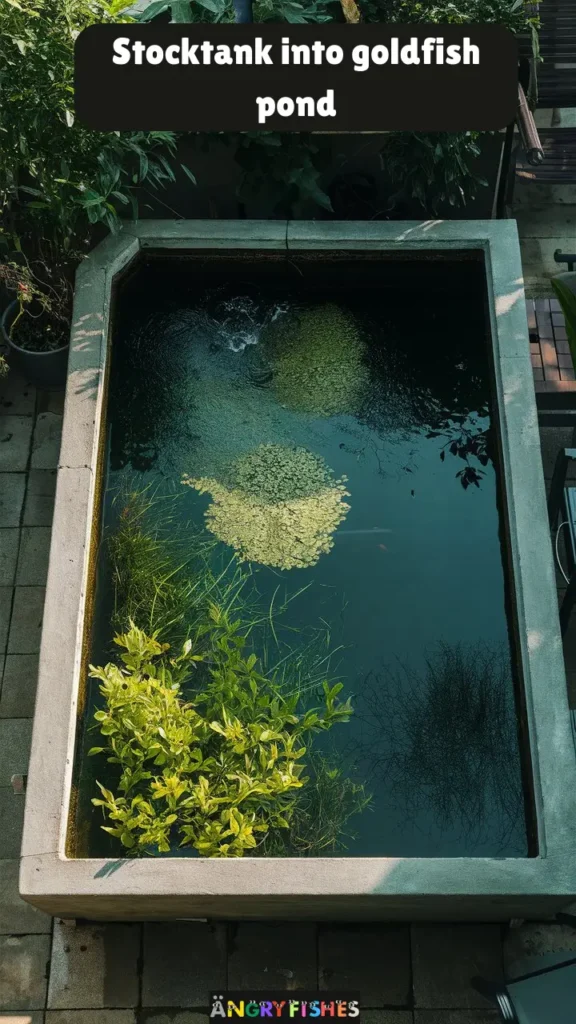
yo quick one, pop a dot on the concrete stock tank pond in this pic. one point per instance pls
(301, 653)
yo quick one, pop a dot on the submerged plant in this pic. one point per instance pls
(278, 506)
(446, 738)
(318, 362)
(220, 772)
(155, 578)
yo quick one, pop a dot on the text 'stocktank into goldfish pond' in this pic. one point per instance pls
(301, 653)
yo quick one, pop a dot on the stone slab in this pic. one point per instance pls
(32, 1017)
(26, 623)
(272, 956)
(12, 487)
(183, 963)
(16, 916)
(178, 1017)
(39, 501)
(17, 395)
(373, 960)
(456, 1017)
(18, 692)
(90, 1017)
(5, 612)
(23, 963)
(9, 540)
(15, 436)
(46, 441)
(94, 967)
(32, 568)
(536, 945)
(15, 738)
(11, 823)
(387, 1017)
(446, 957)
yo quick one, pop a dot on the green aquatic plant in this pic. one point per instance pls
(318, 362)
(219, 772)
(278, 506)
(322, 812)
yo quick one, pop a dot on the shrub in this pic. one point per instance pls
(219, 772)
(56, 177)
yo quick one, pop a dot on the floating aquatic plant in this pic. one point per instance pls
(318, 362)
(278, 506)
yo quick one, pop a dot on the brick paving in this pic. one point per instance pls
(54, 972)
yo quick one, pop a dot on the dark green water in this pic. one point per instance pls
(413, 594)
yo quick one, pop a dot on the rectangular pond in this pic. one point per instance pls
(317, 464)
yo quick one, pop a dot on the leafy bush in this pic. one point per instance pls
(57, 177)
(219, 772)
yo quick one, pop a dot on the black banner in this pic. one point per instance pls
(276, 77)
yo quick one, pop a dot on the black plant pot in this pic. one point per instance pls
(45, 369)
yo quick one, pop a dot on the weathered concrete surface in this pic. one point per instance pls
(354, 888)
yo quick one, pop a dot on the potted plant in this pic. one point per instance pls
(36, 324)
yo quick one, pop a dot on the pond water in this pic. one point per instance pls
(351, 400)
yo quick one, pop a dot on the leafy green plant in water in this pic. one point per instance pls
(220, 772)
(277, 506)
(322, 812)
(318, 362)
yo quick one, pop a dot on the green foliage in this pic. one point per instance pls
(324, 807)
(433, 169)
(153, 578)
(44, 306)
(567, 298)
(57, 177)
(221, 771)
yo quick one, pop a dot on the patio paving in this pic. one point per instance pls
(54, 972)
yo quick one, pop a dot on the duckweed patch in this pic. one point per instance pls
(279, 507)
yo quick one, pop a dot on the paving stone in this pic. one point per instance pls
(12, 487)
(182, 1017)
(272, 956)
(11, 823)
(23, 962)
(15, 435)
(32, 1017)
(386, 1017)
(39, 501)
(46, 441)
(456, 1017)
(17, 395)
(9, 539)
(15, 738)
(51, 401)
(32, 568)
(446, 957)
(5, 610)
(16, 916)
(183, 963)
(373, 960)
(90, 1017)
(26, 623)
(94, 966)
(535, 945)
(18, 693)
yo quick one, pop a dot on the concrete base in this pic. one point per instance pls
(318, 888)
